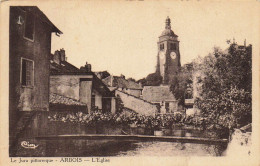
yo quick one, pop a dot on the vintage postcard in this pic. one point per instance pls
(130, 82)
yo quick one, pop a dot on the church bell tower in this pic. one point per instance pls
(168, 58)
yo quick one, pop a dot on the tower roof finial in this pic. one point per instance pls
(168, 23)
(168, 31)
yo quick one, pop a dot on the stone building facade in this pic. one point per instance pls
(29, 49)
(81, 84)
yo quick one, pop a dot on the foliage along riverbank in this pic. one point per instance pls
(223, 84)
(139, 124)
(158, 121)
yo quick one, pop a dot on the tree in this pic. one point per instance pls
(226, 100)
(131, 79)
(153, 79)
(181, 82)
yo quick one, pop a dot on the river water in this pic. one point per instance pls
(88, 148)
(172, 149)
(59, 147)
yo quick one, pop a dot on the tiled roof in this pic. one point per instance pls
(63, 67)
(59, 99)
(102, 74)
(157, 93)
(121, 82)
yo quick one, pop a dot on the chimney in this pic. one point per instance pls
(62, 55)
(122, 76)
(87, 67)
(56, 57)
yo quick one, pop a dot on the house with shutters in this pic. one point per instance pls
(30, 33)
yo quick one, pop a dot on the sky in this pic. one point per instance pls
(121, 37)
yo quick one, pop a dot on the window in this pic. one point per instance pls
(27, 72)
(158, 105)
(93, 97)
(173, 46)
(167, 107)
(189, 94)
(29, 26)
(161, 46)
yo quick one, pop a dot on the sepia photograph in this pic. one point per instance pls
(106, 79)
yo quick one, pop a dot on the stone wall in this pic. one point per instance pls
(138, 105)
(41, 125)
(240, 144)
(65, 85)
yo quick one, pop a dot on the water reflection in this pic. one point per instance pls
(87, 148)
(172, 149)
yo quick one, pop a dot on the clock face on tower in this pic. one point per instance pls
(173, 55)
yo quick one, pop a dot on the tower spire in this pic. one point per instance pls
(168, 23)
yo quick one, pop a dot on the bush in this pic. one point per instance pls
(159, 121)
